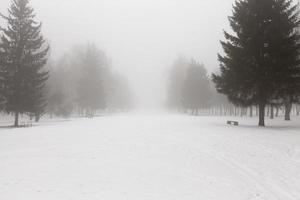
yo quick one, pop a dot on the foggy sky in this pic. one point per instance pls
(142, 37)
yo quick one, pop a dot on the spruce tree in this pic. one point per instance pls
(261, 57)
(25, 52)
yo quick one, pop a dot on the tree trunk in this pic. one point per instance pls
(261, 114)
(288, 108)
(277, 111)
(37, 117)
(272, 112)
(16, 119)
(251, 111)
(256, 110)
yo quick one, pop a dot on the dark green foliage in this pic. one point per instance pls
(261, 61)
(23, 52)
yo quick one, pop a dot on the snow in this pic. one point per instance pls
(151, 157)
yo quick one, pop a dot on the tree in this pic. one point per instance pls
(91, 86)
(196, 91)
(261, 57)
(175, 84)
(25, 54)
(59, 100)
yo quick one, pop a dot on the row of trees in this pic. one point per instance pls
(189, 86)
(261, 62)
(82, 82)
(191, 90)
(260, 68)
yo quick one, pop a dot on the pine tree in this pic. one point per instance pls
(2, 86)
(25, 52)
(261, 59)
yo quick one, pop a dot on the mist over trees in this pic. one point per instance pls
(91, 90)
(189, 86)
(196, 91)
(259, 73)
(80, 82)
(83, 82)
(177, 74)
(261, 61)
(259, 70)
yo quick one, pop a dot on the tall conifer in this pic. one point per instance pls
(24, 51)
(262, 56)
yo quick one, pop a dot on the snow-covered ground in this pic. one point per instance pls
(151, 157)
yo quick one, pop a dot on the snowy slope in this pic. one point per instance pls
(157, 157)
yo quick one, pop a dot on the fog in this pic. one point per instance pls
(132, 101)
(142, 37)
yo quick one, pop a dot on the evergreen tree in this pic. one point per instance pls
(261, 59)
(2, 86)
(25, 54)
(196, 91)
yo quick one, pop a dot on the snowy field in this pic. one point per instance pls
(154, 157)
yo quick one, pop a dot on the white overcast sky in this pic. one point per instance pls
(142, 37)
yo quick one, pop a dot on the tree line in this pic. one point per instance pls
(191, 90)
(259, 66)
(81, 82)
(189, 87)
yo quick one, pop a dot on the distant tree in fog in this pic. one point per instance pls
(175, 83)
(59, 100)
(261, 61)
(189, 87)
(91, 86)
(82, 82)
(196, 90)
(24, 54)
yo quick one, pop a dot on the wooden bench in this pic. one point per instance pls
(235, 123)
(26, 124)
